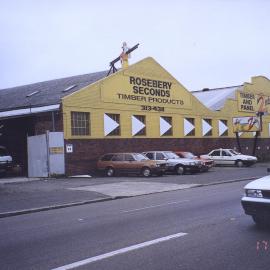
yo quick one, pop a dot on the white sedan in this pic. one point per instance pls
(256, 201)
(230, 157)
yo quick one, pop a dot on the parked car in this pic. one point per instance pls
(5, 161)
(137, 163)
(230, 157)
(256, 201)
(174, 163)
(207, 163)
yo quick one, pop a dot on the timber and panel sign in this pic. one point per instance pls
(250, 102)
(149, 94)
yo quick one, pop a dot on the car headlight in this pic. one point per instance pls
(255, 193)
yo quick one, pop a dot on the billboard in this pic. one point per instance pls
(246, 124)
(250, 102)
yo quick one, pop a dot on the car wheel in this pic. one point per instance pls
(239, 163)
(261, 221)
(110, 172)
(179, 170)
(146, 172)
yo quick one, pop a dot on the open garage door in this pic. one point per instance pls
(46, 155)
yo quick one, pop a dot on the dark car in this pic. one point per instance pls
(137, 163)
(5, 161)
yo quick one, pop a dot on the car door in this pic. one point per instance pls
(226, 158)
(118, 162)
(215, 155)
(131, 165)
(160, 156)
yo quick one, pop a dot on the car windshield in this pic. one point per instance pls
(234, 152)
(170, 155)
(140, 157)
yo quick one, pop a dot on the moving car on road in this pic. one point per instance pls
(230, 157)
(256, 201)
(174, 163)
(207, 163)
(130, 163)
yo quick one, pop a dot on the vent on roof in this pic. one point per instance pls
(206, 89)
(69, 88)
(33, 93)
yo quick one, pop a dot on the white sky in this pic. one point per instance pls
(201, 43)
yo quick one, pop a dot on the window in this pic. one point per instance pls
(150, 155)
(33, 93)
(129, 157)
(80, 123)
(166, 126)
(225, 154)
(215, 153)
(69, 88)
(107, 157)
(207, 127)
(189, 126)
(138, 125)
(160, 156)
(112, 124)
(118, 157)
(223, 128)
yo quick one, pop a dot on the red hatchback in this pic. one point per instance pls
(206, 162)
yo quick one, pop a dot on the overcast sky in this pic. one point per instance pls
(201, 43)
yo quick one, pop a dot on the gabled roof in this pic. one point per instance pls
(45, 93)
(215, 98)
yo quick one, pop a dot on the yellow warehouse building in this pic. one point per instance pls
(138, 108)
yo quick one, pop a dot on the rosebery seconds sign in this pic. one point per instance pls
(150, 94)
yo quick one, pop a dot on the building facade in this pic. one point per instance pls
(141, 108)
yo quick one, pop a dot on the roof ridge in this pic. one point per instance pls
(219, 88)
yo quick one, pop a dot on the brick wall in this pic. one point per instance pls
(44, 122)
(86, 152)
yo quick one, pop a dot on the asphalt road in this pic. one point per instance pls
(200, 228)
(35, 194)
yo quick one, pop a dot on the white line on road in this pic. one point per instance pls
(153, 206)
(119, 251)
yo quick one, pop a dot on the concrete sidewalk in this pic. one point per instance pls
(23, 195)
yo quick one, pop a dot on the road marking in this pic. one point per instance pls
(119, 251)
(153, 206)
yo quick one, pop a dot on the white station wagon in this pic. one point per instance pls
(230, 157)
(256, 201)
